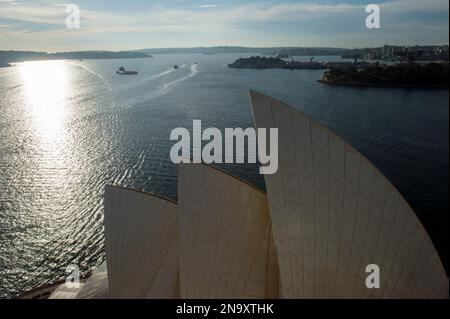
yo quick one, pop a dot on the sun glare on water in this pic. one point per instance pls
(46, 90)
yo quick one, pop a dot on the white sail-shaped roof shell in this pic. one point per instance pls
(141, 244)
(333, 213)
(225, 237)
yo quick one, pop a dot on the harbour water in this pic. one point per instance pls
(68, 128)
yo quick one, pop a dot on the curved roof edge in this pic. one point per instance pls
(272, 113)
(218, 169)
(167, 199)
(253, 93)
(222, 171)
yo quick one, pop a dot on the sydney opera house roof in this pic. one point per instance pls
(327, 214)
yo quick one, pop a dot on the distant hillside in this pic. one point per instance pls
(20, 56)
(203, 50)
(248, 50)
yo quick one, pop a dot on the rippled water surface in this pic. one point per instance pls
(68, 128)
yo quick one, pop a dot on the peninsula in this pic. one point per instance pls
(258, 62)
(7, 57)
(414, 75)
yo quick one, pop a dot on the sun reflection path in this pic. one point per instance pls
(46, 90)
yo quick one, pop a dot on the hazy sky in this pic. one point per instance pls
(134, 24)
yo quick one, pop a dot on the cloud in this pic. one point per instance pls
(404, 6)
(51, 12)
(218, 21)
(209, 6)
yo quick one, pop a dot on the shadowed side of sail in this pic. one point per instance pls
(333, 214)
(141, 244)
(226, 247)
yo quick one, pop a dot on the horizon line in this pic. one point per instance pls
(226, 46)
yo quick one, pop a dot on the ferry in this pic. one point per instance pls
(122, 71)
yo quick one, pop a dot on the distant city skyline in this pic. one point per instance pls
(137, 24)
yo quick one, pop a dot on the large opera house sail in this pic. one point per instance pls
(333, 213)
(328, 213)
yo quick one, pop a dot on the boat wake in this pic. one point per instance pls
(95, 74)
(166, 88)
(156, 76)
(145, 81)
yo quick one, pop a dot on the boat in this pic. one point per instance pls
(122, 71)
(175, 66)
(281, 55)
